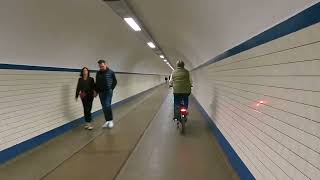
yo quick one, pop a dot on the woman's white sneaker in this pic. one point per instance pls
(86, 125)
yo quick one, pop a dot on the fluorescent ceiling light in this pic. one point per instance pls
(165, 60)
(132, 23)
(150, 44)
(161, 56)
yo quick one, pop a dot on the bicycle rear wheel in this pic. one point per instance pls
(183, 125)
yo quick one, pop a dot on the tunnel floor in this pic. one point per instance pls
(143, 145)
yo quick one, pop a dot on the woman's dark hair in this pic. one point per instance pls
(81, 73)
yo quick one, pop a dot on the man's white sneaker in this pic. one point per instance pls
(105, 124)
(110, 125)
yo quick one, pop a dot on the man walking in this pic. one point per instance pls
(105, 83)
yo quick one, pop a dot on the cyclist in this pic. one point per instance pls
(181, 82)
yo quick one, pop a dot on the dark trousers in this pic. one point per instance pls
(87, 107)
(106, 99)
(178, 98)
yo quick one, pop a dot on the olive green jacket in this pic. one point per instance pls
(181, 81)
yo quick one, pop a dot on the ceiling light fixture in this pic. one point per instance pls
(132, 23)
(150, 44)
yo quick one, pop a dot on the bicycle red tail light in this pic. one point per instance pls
(184, 111)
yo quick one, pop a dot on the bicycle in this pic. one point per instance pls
(182, 117)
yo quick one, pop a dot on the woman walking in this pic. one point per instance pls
(85, 89)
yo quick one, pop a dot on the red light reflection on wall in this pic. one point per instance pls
(260, 103)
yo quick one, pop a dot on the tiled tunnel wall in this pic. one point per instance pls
(35, 102)
(266, 102)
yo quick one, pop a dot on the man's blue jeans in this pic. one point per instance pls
(106, 100)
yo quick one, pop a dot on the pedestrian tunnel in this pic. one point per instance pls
(254, 107)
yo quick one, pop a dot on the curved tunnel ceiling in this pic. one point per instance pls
(197, 30)
(72, 34)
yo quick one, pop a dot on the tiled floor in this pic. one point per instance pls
(164, 154)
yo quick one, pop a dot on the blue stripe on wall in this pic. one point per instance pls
(14, 151)
(302, 20)
(235, 161)
(59, 69)
(36, 68)
(18, 149)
